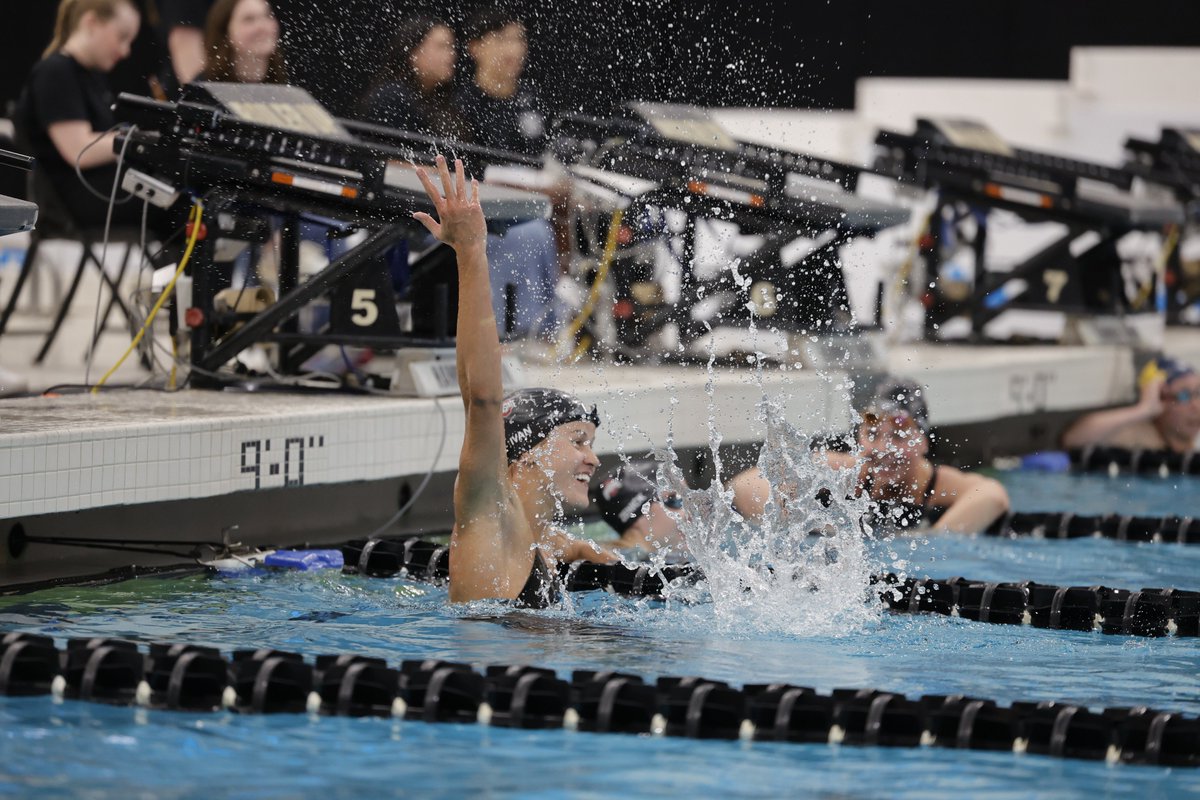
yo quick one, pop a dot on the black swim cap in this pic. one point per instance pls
(624, 492)
(900, 394)
(530, 414)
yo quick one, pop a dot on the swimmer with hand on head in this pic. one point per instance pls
(1165, 417)
(527, 457)
(894, 470)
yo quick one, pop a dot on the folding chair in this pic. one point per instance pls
(55, 222)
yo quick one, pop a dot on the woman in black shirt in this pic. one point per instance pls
(66, 105)
(503, 111)
(415, 87)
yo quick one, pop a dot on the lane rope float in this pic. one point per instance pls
(1144, 612)
(1121, 461)
(185, 677)
(1121, 527)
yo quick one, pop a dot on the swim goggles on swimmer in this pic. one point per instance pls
(623, 495)
(901, 420)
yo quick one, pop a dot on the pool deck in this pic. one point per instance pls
(287, 468)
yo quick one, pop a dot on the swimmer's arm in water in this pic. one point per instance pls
(1105, 426)
(568, 549)
(972, 502)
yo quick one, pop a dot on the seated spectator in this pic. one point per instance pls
(415, 87)
(503, 113)
(1165, 417)
(501, 109)
(241, 40)
(64, 115)
(637, 511)
(895, 471)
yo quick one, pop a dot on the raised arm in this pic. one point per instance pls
(460, 224)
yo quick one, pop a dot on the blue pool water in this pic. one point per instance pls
(83, 750)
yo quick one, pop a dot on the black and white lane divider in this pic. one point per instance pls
(185, 677)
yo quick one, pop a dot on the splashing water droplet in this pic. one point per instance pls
(804, 568)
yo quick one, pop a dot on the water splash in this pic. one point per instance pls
(804, 567)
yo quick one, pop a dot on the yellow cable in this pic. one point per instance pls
(194, 218)
(585, 342)
(606, 259)
(1160, 266)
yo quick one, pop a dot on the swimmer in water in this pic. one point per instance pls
(526, 458)
(1165, 417)
(895, 471)
(643, 516)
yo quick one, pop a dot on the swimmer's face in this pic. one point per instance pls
(1181, 405)
(893, 435)
(892, 443)
(568, 461)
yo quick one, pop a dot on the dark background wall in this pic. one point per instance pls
(590, 55)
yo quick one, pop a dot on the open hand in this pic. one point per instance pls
(460, 221)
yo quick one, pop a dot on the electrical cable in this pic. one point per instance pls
(141, 267)
(1160, 267)
(87, 371)
(127, 545)
(82, 387)
(350, 365)
(197, 215)
(79, 170)
(428, 474)
(606, 259)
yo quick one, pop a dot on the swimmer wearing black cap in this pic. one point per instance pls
(895, 471)
(526, 458)
(1165, 417)
(641, 515)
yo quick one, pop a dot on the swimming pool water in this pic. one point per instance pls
(84, 750)
(1100, 494)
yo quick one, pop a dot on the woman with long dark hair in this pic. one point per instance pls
(416, 84)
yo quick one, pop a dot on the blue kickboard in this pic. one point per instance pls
(305, 559)
(1047, 461)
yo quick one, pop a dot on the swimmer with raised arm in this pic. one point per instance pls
(527, 457)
